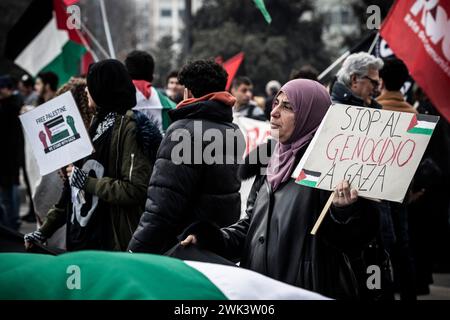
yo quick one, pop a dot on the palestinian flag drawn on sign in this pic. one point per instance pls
(56, 129)
(57, 133)
(40, 40)
(308, 178)
(133, 276)
(422, 124)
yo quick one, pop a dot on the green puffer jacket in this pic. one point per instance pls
(134, 144)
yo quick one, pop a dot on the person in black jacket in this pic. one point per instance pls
(195, 177)
(13, 154)
(274, 236)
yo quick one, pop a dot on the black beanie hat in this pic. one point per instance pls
(140, 65)
(110, 86)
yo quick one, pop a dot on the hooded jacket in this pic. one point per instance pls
(182, 193)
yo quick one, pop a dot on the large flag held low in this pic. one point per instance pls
(93, 275)
(418, 32)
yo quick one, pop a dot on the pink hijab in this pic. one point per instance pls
(310, 101)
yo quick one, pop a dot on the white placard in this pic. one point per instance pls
(56, 133)
(377, 151)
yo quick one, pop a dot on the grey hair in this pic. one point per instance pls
(358, 64)
(272, 84)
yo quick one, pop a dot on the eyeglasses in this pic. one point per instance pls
(374, 82)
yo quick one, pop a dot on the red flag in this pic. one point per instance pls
(231, 66)
(419, 33)
(70, 2)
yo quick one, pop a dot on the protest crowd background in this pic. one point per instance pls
(254, 67)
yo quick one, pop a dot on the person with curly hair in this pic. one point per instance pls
(192, 188)
(49, 187)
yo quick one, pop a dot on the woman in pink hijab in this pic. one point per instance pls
(274, 236)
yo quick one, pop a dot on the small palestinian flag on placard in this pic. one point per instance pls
(56, 129)
(422, 124)
(308, 178)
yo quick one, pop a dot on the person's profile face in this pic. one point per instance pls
(243, 94)
(365, 87)
(39, 86)
(172, 84)
(282, 118)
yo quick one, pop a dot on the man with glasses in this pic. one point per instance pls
(357, 84)
(358, 81)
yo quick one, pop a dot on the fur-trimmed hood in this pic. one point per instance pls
(147, 134)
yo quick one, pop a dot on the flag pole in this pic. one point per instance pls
(94, 40)
(348, 52)
(333, 65)
(323, 214)
(107, 31)
(372, 46)
(87, 46)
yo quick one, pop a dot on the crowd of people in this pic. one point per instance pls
(131, 195)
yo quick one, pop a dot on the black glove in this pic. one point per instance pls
(78, 178)
(35, 237)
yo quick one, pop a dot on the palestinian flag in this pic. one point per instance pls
(56, 129)
(92, 275)
(308, 178)
(41, 41)
(153, 103)
(422, 124)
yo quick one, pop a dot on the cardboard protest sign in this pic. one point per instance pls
(377, 151)
(255, 131)
(56, 133)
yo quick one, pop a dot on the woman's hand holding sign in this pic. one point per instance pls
(343, 195)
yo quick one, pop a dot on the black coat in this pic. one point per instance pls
(274, 237)
(180, 194)
(11, 140)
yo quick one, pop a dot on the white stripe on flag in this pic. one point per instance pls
(241, 284)
(43, 49)
(312, 178)
(425, 125)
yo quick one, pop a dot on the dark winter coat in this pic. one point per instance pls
(180, 194)
(11, 140)
(341, 94)
(274, 237)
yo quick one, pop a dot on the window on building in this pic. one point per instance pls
(346, 16)
(166, 13)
